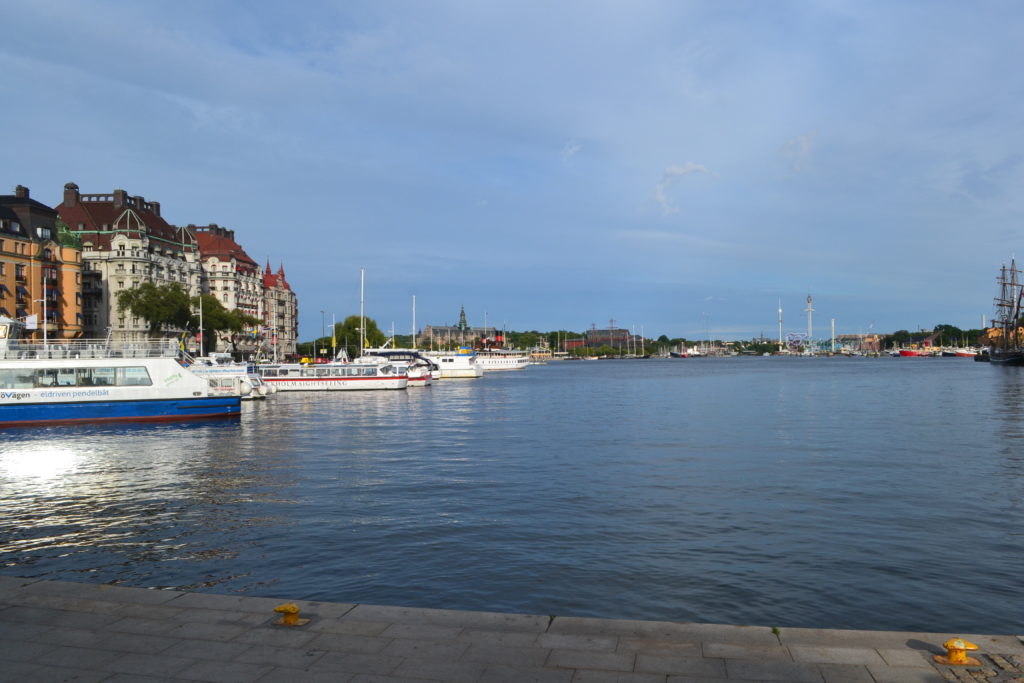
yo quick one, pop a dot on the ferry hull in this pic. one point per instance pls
(157, 410)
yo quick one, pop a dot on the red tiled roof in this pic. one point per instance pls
(275, 279)
(93, 215)
(223, 247)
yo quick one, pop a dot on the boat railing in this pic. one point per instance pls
(90, 348)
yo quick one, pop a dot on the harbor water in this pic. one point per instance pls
(831, 492)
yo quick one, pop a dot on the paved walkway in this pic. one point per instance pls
(57, 631)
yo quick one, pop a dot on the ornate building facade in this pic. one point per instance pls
(125, 241)
(280, 314)
(40, 267)
(235, 280)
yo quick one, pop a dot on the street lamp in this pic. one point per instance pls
(44, 317)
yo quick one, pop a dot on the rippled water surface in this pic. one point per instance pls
(845, 493)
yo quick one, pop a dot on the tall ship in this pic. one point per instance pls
(1006, 337)
(75, 381)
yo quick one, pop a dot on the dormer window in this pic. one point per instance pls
(44, 233)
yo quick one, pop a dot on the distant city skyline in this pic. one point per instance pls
(679, 167)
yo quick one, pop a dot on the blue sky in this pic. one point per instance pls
(678, 167)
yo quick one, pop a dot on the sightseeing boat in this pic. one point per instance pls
(1006, 337)
(502, 359)
(420, 369)
(222, 366)
(458, 365)
(73, 381)
(364, 373)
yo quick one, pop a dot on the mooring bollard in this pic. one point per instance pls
(290, 615)
(956, 653)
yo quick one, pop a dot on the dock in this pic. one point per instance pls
(63, 631)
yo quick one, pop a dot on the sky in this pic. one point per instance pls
(676, 167)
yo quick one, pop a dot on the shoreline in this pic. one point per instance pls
(57, 630)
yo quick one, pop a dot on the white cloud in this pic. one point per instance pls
(798, 151)
(571, 149)
(670, 177)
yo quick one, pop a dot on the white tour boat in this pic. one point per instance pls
(461, 364)
(72, 381)
(502, 359)
(363, 373)
(420, 368)
(222, 366)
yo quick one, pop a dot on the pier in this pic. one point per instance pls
(61, 631)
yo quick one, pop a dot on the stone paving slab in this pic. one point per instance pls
(60, 631)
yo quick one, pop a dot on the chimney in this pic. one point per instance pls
(21, 192)
(155, 207)
(140, 203)
(120, 199)
(71, 195)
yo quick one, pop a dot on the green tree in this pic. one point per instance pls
(161, 306)
(216, 319)
(347, 334)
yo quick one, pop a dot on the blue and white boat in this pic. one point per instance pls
(68, 382)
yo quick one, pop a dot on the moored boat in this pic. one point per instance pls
(1006, 337)
(461, 364)
(78, 381)
(365, 373)
(420, 369)
(221, 366)
(502, 359)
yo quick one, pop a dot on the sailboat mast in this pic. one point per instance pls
(414, 321)
(362, 324)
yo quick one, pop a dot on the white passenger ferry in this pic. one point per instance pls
(502, 359)
(461, 364)
(363, 373)
(96, 381)
(222, 366)
(420, 369)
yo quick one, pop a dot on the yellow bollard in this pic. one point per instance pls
(290, 615)
(956, 653)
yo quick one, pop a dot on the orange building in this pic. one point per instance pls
(40, 267)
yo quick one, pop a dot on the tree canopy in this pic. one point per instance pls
(161, 306)
(168, 308)
(347, 335)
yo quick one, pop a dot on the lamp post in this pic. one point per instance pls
(43, 300)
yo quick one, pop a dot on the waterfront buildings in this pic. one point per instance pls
(280, 313)
(235, 280)
(73, 259)
(40, 267)
(125, 241)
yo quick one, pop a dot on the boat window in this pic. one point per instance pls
(17, 378)
(66, 377)
(323, 372)
(46, 377)
(133, 377)
(369, 372)
(308, 372)
(100, 377)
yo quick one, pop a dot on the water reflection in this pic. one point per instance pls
(815, 493)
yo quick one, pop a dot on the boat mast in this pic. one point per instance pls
(414, 321)
(362, 330)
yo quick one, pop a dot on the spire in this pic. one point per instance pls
(462, 319)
